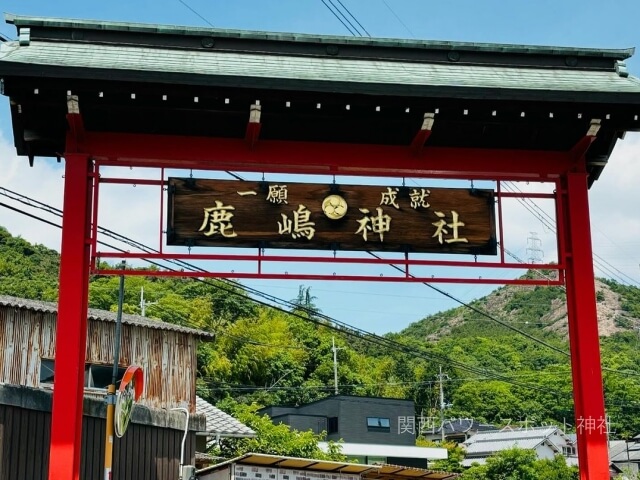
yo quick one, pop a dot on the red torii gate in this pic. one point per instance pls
(114, 94)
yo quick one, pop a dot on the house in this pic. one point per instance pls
(252, 466)
(221, 424)
(373, 430)
(218, 425)
(457, 430)
(151, 447)
(547, 442)
(625, 455)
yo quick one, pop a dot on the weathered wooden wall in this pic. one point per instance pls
(149, 450)
(168, 358)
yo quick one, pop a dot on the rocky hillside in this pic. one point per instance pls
(536, 307)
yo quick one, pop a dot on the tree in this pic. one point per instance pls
(519, 464)
(512, 464)
(272, 439)
(304, 301)
(493, 401)
(556, 469)
(455, 455)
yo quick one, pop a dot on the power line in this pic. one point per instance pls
(334, 324)
(354, 18)
(549, 222)
(196, 13)
(484, 314)
(398, 18)
(328, 322)
(340, 16)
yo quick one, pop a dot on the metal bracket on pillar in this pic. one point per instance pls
(75, 135)
(580, 149)
(423, 134)
(254, 125)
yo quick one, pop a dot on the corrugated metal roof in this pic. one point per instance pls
(367, 471)
(379, 450)
(102, 315)
(219, 422)
(20, 20)
(484, 444)
(625, 452)
(499, 445)
(371, 71)
(464, 425)
(513, 435)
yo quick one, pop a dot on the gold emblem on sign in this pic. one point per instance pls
(334, 207)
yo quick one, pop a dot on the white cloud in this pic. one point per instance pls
(43, 182)
(614, 204)
(126, 209)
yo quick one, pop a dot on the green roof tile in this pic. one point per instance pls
(211, 63)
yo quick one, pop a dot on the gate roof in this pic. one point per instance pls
(135, 78)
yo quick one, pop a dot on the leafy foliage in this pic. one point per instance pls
(455, 455)
(517, 464)
(267, 356)
(629, 296)
(26, 270)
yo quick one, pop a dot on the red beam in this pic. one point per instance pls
(324, 259)
(131, 181)
(252, 134)
(580, 149)
(71, 332)
(350, 278)
(591, 426)
(322, 158)
(525, 195)
(419, 140)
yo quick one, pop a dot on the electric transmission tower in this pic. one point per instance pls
(534, 248)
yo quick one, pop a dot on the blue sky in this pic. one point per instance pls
(382, 307)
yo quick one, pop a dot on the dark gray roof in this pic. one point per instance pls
(464, 425)
(122, 47)
(486, 443)
(101, 315)
(625, 452)
(121, 59)
(20, 20)
(221, 423)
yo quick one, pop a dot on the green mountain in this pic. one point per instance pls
(26, 270)
(504, 356)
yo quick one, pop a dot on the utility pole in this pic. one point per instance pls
(143, 304)
(111, 390)
(335, 364)
(442, 404)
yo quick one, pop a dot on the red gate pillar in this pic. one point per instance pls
(591, 425)
(71, 332)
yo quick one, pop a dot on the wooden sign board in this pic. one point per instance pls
(335, 217)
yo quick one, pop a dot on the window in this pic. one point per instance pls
(332, 425)
(46, 370)
(378, 424)
(95, 376)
